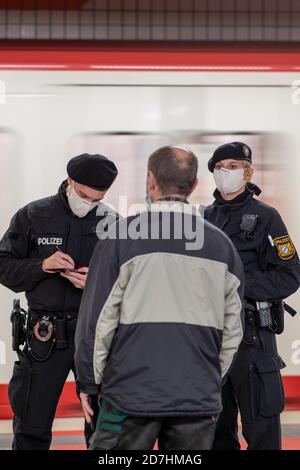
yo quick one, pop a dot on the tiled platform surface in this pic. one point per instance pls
(68, 434)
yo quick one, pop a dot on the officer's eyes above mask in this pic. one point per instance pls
(231, 166)
(86, 198)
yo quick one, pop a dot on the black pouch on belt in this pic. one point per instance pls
(61, 333)
(250, 324)
(277, 310)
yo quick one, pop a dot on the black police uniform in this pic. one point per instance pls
(35, 233)
(272, 273)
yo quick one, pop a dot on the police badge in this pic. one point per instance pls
(246, 151)
(285, 247)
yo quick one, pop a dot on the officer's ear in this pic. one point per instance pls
(70, 183)
(248, 173)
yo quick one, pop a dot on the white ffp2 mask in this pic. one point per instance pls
(79, 206)
(229, 181)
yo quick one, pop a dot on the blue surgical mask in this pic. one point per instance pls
(147, 198)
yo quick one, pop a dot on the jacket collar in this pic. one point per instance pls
(175, 206)
(62, 197)
(238, 202)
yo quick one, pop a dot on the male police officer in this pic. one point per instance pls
(272, 273)
(156, 339)
(46, 253)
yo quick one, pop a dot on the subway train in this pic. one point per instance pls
(57, 104)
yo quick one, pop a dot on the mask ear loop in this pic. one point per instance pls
(69, 188)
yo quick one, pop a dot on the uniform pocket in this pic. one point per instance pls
(19, 389)
(270, 386)
(253, 392)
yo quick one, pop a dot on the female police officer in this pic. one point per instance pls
(46, 252)
(272, 273)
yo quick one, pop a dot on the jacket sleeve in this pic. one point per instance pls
(98, 316)
(18, 271)
(279, 276)
(234, 312)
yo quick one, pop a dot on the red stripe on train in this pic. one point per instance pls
(149, 58)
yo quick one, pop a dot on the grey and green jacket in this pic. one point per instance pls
(160, 319)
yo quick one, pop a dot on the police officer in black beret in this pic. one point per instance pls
(46, 253)
(272, 273)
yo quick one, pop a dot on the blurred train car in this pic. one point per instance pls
(57, 104)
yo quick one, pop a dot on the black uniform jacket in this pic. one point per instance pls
(271, 263)
(35, 233)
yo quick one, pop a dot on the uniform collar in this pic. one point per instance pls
(240, 200)
(62, 197)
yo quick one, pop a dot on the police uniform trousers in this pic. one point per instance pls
(117, 431)
(254, 387)
(34, 391)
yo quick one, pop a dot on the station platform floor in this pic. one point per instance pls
(68, 433)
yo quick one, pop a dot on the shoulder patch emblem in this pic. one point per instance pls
(285, 247)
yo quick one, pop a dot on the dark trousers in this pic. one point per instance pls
(254, 387)
(34, 391)
(117, 431)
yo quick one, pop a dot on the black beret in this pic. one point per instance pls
(95, 171)
(233, 150)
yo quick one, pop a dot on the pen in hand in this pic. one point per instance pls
(62, 269)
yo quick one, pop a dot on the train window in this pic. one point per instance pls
(130, 152)
(265, 148)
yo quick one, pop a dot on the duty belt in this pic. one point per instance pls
(70, 319)
(55, 329)
(42, 313)
(48, 327)
(263, 314)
